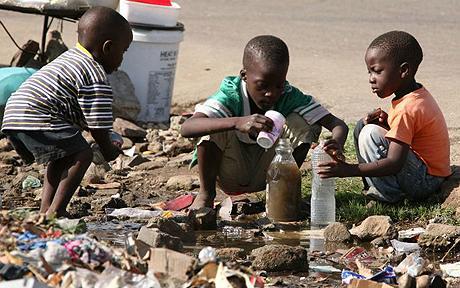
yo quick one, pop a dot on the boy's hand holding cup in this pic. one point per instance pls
(267, 139)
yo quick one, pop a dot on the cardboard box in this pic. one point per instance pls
(170, 262)
(361, 283)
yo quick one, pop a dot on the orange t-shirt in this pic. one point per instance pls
(417, 120)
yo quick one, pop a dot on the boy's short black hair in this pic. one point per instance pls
(400, 46)
(270, 49)
(99, 24)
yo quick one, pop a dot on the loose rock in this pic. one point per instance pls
(5, 145)
(125, 103)
(451, 190)
(274, 258)
(127, 143)
(336, 232)
(203, 219)
(181, 160)
(439, 235)
(186, 182)
(155, 238)
(172, 228)
(178, 146)
(128, 129)
(99, 204)
(149, 165)
(136, 160)
(155, 147)
(230, 254)
(373, 227)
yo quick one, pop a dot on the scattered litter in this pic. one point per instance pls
(130, 152)
(27, 282)
(104, 186)
(410, 233)
(362, 283)
(404, 247)
(324, 268)
(31, 182)
(72, 226)
(413, 265)
(170, 262)
(387, 275)
(357, 253)
(451, 269)
(207, 254)
(135, 213)
(231, 232)
(225, 210)
(179, 203)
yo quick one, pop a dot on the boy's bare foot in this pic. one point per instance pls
(203, 199)
(58, 214)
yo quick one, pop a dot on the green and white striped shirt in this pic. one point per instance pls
(71, 91)
(232, 101)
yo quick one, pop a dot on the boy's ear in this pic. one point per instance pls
(107, 46)
(405, 70)
(243, 74)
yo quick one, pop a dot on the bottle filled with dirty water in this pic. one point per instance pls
(283, 185)
(322, 191)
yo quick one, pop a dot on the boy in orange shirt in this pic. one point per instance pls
(405, 153)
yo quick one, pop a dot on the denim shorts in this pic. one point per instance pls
(43, 146)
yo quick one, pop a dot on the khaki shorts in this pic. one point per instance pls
(244, 166)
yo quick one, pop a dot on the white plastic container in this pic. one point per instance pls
(150, 14)
(150, 63)
(267, 139)
(322, 207)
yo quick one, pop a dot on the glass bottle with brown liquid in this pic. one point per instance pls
(283, 185)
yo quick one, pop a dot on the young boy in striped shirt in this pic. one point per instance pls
(45, 116)
(230, 120)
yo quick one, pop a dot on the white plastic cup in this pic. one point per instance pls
(267, 139)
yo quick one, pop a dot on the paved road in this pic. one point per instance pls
(327, 41)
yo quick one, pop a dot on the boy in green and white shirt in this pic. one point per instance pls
(229, 121)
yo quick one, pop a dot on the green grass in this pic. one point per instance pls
(353, 207)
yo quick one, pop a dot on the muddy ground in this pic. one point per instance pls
(158, 172)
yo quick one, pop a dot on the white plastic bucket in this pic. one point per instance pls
(150, 62)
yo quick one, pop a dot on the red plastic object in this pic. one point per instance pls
(154, 2)
(179, 203)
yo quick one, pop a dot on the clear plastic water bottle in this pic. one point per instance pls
(322, 191)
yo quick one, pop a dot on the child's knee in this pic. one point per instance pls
(372, 139)
(85, 157)
(373, 132)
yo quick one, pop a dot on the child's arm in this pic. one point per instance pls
(108, 149)
(392, 164)
(339, 131)
(199, 125)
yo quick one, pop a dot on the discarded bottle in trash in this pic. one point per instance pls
(322, 191)
(207, 254)
(283, 185)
